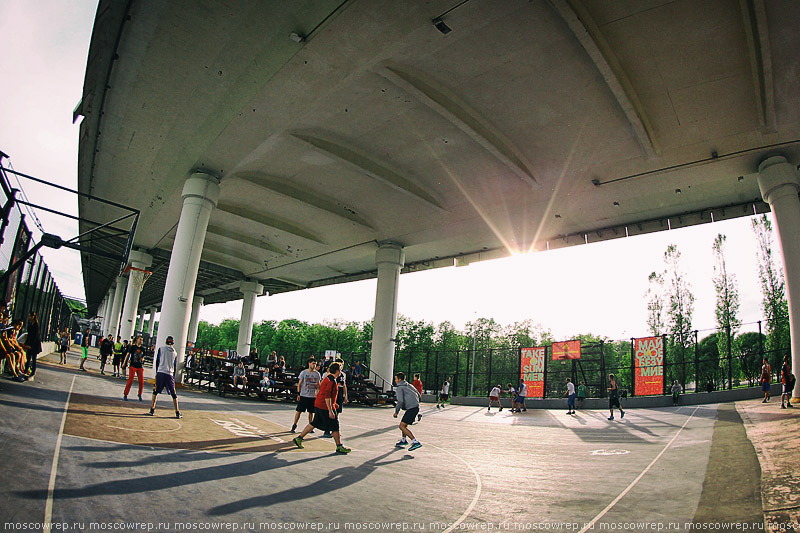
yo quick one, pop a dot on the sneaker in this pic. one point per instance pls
(419, 417)
(788, 405)
(501, 408)
(611, 417)
(125, 397)
(622, 414)
(764, 400)
(569, 412)
(102, 373)
(178, 414)
(294, 427)
(326, 435)
(298, 441)
(437, 406)
(783, 406)
(342, 449)
(140, 397)
(414, 446)
(152, 412)
(401, 443)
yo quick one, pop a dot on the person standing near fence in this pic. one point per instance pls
(570, 394)
(581, 394)
(444, 394)
(613, 397)
(64, 346)
(84, 349)
(522, 393)
(32, 344)
(766, 379)
(788, 380)
(676, 391)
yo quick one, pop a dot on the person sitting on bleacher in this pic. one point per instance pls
(266, 383)
(13, 356)
(280, 368)
(239, 375)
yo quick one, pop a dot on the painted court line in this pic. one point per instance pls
(622, 494)
(48, 508)
(475, 499)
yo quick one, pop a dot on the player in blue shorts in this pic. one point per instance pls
(166, 363)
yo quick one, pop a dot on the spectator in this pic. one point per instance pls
(106, 349)
(9, 351)
(358, 370)
(64, 346)
(581, 394)
(239, 375)
(788, 380)
(766, 378)
(32, 343)
(676, 392)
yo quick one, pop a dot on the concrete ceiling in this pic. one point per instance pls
(533, 124)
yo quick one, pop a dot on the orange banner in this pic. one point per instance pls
(533, 371)
(649, 361)
(566, 350)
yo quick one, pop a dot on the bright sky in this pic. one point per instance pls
(597, 288)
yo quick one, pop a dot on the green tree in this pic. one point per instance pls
(680, 309)
(773, 293)
(749, 355)
(727, 300)
(655, 303)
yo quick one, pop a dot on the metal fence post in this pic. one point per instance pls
(489, 380)
(455, 377)
(544, 377)
(730, 357)
(696, 364)
(633, 367)
(664, 363)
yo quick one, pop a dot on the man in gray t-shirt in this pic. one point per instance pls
(307, 387)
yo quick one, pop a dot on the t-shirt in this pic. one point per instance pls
(310, 379)
(106, 347)
(117, 347)
(166, 360)
(495, 392)
(327, 389)
(417, 385)
(581, 391)
(136, 356)
(523, 390)
(570, 388)
(446, 388)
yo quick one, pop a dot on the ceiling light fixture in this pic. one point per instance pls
(441, 26)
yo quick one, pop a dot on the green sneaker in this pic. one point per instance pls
(414, 446)
(342, 449)
(298, 442)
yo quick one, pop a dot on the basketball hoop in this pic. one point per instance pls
(138, 275)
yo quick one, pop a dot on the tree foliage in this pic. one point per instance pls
(773, 292)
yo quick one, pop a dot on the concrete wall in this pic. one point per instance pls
(690, 398)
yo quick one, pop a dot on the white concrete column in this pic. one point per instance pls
(101, 312)
(151, 324)
(200, 195)
(251, 290)
(127, 324)
(119, 296)
(389, 258)
(194, 321)
(779, 182)
(139, 320)
(107, 308)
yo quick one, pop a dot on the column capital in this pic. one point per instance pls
(251, 287)
(391, 253)
(198, 299)
(203, 186)
(139, 259)
(774, 173)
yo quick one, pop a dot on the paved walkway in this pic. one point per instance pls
(75, 454)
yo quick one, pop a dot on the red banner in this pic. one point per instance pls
(649, 362)
(566, 350)
(533, 371)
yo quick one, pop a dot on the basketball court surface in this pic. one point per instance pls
(79, 458)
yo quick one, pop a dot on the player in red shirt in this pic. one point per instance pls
(325, 416)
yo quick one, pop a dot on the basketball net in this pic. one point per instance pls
(138, 275)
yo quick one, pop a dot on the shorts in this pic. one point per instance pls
(103, 358)
(614, 402)
(765, 386)
(117, 359)
(306, 404)
(84, 352)
(787, 388)
(323, 421)
(494, 399)
(444, 397)
(571, 400)
(410, 415)
(520, 399)
(165, 381)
